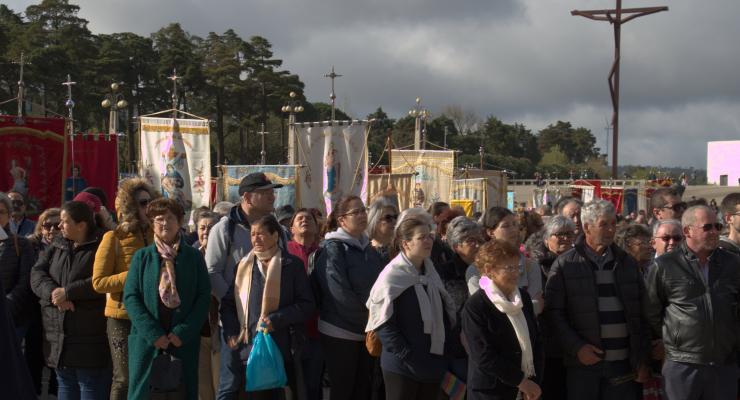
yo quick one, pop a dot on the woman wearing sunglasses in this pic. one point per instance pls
(111, 268)
(381, 218)
(46, 229)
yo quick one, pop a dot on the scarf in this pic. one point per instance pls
(400, 275)
(513, 310)
(270, 267)
(167, 289)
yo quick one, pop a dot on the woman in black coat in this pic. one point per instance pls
(75, 342)
(505, 350)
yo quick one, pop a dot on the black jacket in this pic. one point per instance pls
(699, 323)
(452, 274)
(494, 365)
(71, 338)
(16, 259)
(16, 381)
(571, 303)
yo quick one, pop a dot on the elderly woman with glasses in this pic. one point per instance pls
(635, 239)
(111, 269)
(346, 268)
(500, 327)
(381, 218)
(47, 229)
(167, 293)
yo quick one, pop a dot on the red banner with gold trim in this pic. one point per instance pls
(31, 159)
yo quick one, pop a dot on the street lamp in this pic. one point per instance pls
(114, 101)
(292, 107)
(420, 126)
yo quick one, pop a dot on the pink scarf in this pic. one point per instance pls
(167, 288)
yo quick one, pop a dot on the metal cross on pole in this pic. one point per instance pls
(21, 85)
(332, 75)
(263, 153)
(70, 124)
(616, 17)
(174, 79)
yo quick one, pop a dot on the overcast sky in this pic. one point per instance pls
(526, 61)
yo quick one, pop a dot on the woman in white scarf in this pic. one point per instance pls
(504, 347)
(411, 314)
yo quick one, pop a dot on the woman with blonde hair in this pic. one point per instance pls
(111, 269)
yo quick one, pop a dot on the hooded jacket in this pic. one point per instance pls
(346, 270)
(76, 338)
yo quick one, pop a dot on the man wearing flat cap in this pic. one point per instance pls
(228, 242)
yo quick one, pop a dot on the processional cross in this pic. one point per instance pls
(332, 75)
(616, 17)
(174, 79)
(71, 105)
(263, 153)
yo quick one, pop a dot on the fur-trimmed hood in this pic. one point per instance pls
(127, 209)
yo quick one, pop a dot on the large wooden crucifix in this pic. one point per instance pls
(616, 17)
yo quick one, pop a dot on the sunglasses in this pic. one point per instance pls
(564, 235)
(390, 218)
(708, 227)
(50, 225)
(678, 207)
(667, 238)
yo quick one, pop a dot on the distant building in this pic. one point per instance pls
(723, 163)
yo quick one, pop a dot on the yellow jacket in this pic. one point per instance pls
(111, 267)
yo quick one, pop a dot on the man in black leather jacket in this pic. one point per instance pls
(693, 295)
(593, 308)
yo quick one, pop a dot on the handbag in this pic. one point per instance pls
(372, 343)
(265, 366)
(166, 373)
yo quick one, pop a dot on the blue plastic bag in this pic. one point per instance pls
(265, 368)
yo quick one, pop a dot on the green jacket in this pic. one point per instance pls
(141, 299)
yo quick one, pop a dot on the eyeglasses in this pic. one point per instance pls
(667, 238)
(356, 211)
(709, 227)
(564, 235)
(678, 207)
(641, 243)
(50, 225)
(390, 218)
(508, 268)
(144, 202)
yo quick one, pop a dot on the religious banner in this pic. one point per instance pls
(285, 175)
(333, 157)
(434, 171)
(398, 186)
(92, 160)
(31, 160)
(176, 159)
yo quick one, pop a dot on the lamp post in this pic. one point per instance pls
(292, 107)
(114, 101)
(420, 126)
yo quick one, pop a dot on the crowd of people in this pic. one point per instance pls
(372, 302)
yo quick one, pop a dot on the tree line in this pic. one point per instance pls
(239, 84)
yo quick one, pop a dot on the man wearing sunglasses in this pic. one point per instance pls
(692, 304)
(667, 235)
(666, 204)
(19, 224)
(731, 211)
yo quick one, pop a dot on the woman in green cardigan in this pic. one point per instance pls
(166, 295)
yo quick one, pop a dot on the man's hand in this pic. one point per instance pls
(233, 342)
(589, 354)
(66, 306)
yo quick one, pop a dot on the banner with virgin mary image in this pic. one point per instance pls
(333, 161)
(176, 159)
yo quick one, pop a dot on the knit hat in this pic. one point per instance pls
(90, 199)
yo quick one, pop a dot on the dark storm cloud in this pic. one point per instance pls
(524, 61)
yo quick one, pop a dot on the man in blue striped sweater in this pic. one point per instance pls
(593, 306)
